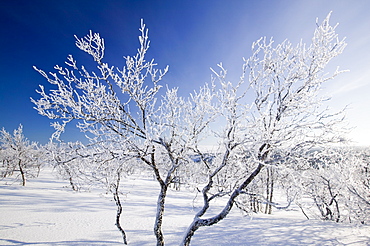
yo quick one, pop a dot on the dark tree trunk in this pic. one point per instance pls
(159, 215)
(302, 210)
(118, 215)
(119, 206)
(269, 190)
(271, 194)
(71, 182)
(164, 184)
(333, 199)
(22, 173)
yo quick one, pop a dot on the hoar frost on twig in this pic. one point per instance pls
(164, 133)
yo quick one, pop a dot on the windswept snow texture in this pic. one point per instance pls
(47, 212)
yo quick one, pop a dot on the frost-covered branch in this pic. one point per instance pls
(19, 155)
(285, 112)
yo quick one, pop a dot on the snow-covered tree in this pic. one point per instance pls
(321, 181)
(99, 165)
(286, 112)
(66, 159)
(105, 164)
(357, 177)
(336, 181)
(19, 155)
(275, 105)
(123, 103)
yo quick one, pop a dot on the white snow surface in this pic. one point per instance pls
(48, 212)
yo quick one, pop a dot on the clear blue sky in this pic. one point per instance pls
(189, 36)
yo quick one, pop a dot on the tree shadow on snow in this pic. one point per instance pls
(274, 232)
(69, 243)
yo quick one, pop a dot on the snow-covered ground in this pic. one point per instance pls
(47, 212)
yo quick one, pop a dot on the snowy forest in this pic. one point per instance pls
(260, 145)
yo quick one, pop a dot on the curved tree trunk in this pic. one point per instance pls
(117, 199)
(118, 215)
(198, 222)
